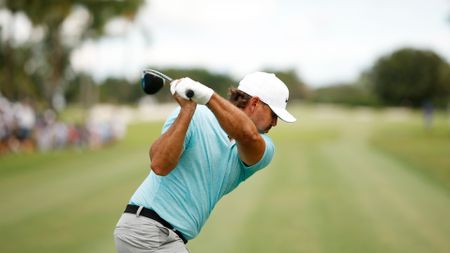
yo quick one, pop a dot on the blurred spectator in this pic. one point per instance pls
(61, 135)
(448, 112)
(25, 119)
(6, 124)
(42, 134)
(428, 114)
(21, 129)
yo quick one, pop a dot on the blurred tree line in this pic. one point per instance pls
(39, 68)
(122, 91)
(406, 77)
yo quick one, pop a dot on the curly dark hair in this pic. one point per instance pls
(238, 97)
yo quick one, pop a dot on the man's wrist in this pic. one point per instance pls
(189, 107)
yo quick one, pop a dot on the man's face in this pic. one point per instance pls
(263, 117)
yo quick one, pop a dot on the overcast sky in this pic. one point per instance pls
(324, 41)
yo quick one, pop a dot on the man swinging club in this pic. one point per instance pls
(208, 146)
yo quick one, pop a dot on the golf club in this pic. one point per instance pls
(152, 81)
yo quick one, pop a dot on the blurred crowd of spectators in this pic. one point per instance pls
(24, 130)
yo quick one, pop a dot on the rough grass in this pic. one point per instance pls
(426, 150)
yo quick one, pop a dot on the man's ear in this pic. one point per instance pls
(253, 103)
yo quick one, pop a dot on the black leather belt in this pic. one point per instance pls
(154, 216)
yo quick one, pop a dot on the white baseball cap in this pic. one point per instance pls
(270, 90)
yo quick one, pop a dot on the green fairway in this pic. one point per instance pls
(341, 181)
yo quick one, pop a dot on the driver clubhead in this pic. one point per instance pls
(151, 83)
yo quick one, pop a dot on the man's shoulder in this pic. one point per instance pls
(202, 113)
(203, 109)
(206, 122)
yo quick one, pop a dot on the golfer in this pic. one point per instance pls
(208, 146)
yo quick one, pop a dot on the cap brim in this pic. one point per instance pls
(283, 114)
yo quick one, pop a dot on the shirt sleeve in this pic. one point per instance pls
(169, 121)
(265, 160)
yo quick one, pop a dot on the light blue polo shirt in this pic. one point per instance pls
(208, 169)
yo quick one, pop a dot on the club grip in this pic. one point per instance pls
(189, 93)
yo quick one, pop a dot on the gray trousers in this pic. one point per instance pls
(139, 234)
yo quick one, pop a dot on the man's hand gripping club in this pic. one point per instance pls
(202, 93)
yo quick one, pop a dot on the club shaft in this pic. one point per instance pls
(189, 93)
(157, 73)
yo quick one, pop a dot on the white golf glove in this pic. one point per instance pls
(202, 93)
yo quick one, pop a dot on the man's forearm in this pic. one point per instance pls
(240, 127)
(232, 119)
(166, 150)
